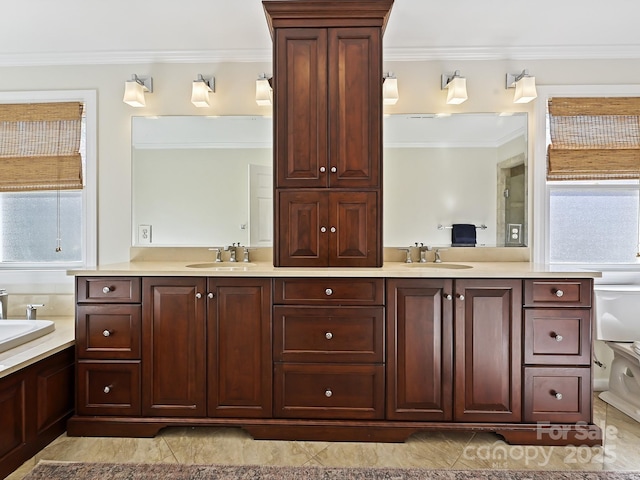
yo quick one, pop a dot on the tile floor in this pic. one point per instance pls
(454, 450)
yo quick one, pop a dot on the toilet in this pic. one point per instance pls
(617, 322)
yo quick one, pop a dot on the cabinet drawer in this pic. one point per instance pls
(329, 334)
(329, 291)
(560, 395)
(108, 388)
(108, 331)
(108, 290)
(557, 293)
(330, 391)
(557, 336)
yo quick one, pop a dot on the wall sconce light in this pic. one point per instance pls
(525, 86)
(200, 91)
(390, 93)
(264, 91)
(135, 89)
(456, 86)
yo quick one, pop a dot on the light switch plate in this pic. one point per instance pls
(144, 234)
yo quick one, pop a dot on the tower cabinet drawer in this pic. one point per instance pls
(329, 291)
(108, 331)
(557, 293)
(557, 336)
(329, 391)
(561, 395)
(108, 388)
(329, 334)
(108, 290)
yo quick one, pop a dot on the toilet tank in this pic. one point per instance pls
(617, 312)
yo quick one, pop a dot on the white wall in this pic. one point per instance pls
(419, 84)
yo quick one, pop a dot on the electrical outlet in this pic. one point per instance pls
(144, 234)
(514, 234)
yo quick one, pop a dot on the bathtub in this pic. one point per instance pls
(16, 332)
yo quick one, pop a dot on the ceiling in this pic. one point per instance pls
(49, 32)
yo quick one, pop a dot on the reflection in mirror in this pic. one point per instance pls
(448, 169)
(202, 181)
(207, 181)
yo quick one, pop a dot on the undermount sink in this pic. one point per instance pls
(223, 266)
(451, 266)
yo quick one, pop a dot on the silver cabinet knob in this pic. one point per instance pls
(559, 293)
(333, 229)
(198, 295)
(323, 169)
(558, 395)
(448, 297)
(558, 338)
(106, 290)
(106, 333)
(210, 295)
(328, 335)
(323, 229)
(460, 296)
(328, 393)
(334, 169)
(328, 292)
(107, 389)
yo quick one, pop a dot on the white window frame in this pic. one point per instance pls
(541, 207)
(55, 280)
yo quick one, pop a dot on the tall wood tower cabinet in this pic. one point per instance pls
(327, 61)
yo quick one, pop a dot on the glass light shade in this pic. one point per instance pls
(525, 90)
(134, 94)
(457, 90)
(200, 94)
(263, 92)
(390, 93)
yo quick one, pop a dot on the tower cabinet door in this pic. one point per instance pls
(488, 329)
(419, 349)
(173, 347)
(303, 228)
(300, 110)
(355, 93)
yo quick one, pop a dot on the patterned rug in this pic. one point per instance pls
(106, 471)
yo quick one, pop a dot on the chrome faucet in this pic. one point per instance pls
(232, 252)
(408, 257)
(32, 309)
(437, 255)
(218, 254)
(423, 252)
(245, 255)
(4, 300)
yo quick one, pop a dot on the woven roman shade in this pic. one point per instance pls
(594, 138)
(40, 146)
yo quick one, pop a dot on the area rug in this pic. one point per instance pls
(160, 471)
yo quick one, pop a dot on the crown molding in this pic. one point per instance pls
(392, 54)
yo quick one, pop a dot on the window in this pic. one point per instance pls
(51, 228)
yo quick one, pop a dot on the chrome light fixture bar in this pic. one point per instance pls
(264, 92)
(390, 93)
(525, 86)
(201, 89)
(135, 89)
(456, 87)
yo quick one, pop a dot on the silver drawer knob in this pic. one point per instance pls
(333, 229)
(558, 395)
(210, 295)
(334, 169)
(460, 297)
(198, 295)
(559, 293)
(328, 393)
(107, 389)
(328, 335)
(106, 333)
(558, 338)
(448, 296)
(323, 169)
(323, 229)
(106, 290)
(328, 292)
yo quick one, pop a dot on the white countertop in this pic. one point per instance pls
(389, 269)
(31, 352)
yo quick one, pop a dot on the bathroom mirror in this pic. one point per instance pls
(207, 181)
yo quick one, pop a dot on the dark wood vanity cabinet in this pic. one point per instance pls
(328, 131)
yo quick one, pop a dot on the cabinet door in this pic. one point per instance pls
(300, 109)
(419, 346)
(355, 103)
(488, 318)
(173, 347)
(354, 239)
(239, 347)
(303, 229)
(13, 414)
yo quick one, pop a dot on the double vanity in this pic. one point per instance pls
(368, 354)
